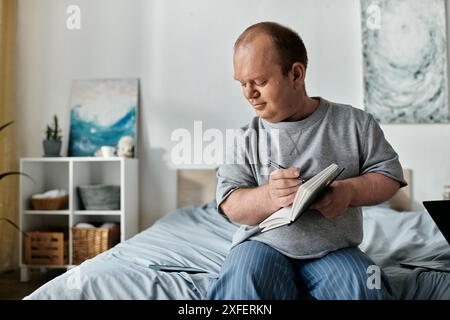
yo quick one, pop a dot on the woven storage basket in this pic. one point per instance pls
(89, 242)
(44, 248)
(58, 203)
(100, 197)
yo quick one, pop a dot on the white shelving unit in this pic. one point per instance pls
(68, 173)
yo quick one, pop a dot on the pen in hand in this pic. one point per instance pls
(277, 166)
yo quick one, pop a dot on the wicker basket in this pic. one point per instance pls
(89, 242)
(44, 248)
(58, 203)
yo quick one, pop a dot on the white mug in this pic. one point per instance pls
(108, 151)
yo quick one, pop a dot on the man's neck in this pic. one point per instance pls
(305, 108)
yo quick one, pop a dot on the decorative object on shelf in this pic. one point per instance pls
(108, 151)
(125, 147)
(405, 60)
(102, 112)
(52, 143)
(89, 241)
(100, 197)
(44, 248)
(446, 194)
(50, 200)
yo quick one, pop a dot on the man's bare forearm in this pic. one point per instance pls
(371, 189)
(252, 205)
(249, 206)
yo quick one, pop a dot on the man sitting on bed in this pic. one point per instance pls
(316, 257)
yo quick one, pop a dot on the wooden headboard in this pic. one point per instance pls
(402, 200)
(195, 186)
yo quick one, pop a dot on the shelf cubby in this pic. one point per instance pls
(68, 173)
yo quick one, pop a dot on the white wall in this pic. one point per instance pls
(182, 52)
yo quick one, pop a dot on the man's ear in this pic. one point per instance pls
(298, 72)
(297, 75)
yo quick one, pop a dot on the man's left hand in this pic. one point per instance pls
(335, 201)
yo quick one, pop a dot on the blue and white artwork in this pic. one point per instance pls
(405, 60)
(102, 111)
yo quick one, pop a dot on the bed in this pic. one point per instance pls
(196, 239)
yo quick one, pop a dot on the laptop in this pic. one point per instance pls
(440, 213)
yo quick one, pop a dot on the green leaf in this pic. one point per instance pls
(5, 125)
(53, 131)
(5, 174)
(14, 225)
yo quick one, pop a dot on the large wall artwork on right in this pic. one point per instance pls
(405, 60)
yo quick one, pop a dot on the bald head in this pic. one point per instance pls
(287, 44)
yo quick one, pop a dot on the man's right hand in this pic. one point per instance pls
(283, 185)
(250, 206)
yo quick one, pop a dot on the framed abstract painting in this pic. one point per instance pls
(102, 111)
(405, 60)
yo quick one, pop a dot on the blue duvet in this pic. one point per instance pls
(195, 241)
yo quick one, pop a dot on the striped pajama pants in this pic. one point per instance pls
(255, 271)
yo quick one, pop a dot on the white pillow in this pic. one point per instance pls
(391, 236)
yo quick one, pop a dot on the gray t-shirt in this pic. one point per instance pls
(334, 133)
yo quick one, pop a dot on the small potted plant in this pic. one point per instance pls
(52, 144)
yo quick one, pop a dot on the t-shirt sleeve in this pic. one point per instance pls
(378, 156)
(237, 171)
(231, 177)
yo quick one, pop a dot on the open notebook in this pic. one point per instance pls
(306, 194)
